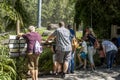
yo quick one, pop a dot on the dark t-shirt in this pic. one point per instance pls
(72, 34)
(30, 39)
(91, 39)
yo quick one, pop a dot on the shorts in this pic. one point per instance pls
(62, 56)
(54, 57)
(33, 61)
(83, 55)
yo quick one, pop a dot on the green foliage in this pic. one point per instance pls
(21, 65)
(54, 11)
(7, 65)
(10, 12)
(104, 13)
(45, 61)
(26, 11)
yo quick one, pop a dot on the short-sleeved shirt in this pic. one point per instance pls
(31, 37)
(63, 42)
(84, 45)
(109, 46)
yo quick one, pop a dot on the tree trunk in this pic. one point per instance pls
(18, 27)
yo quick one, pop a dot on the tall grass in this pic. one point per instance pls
(7, 65)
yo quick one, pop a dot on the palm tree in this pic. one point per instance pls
(10, 12)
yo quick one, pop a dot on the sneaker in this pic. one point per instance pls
(63, 75)
(111, 68)
(60, 73)
(93, 69)
(81, 65)
(84, 68)
(72, 72)
(55, 74)
(108, 69)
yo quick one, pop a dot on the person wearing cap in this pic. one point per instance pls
(30, 38)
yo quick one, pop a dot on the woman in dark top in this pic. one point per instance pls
(91, 49)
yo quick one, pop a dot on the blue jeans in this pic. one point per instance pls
(110, 58)
(71, 63)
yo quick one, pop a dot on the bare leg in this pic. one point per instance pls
(92, 65)
(79, 58)
(55, 67)
(85, 63)
(59, 67)
(65, 66)
(36, 74)
(32, 74)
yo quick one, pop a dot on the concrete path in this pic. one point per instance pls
(98, 74)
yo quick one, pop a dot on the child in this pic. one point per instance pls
(82, 54)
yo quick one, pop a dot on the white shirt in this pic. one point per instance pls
(108, 45)
(84, 45)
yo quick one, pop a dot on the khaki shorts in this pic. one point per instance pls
(33, 61)
(61, 56)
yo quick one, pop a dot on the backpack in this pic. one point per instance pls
(37, 48)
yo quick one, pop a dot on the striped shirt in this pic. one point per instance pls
(63, 42)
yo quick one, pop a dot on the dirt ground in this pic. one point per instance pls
(98, 74)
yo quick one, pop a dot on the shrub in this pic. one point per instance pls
(45, 61)
(7, 65)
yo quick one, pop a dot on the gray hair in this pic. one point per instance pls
(31, 28)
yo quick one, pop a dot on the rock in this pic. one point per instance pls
(46, 33)
(52, 26)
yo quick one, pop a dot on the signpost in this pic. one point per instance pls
(17, 47)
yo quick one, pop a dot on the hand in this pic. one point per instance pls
(20, 34)
(47, 41)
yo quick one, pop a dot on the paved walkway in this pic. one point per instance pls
(98, 74)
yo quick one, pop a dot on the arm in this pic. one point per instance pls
(53, 35)
(104, 51)
(50, 37)
(20, 34)
(81, 49)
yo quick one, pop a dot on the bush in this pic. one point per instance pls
(7, 65)
(45, 61)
